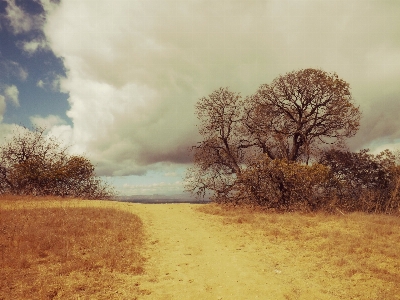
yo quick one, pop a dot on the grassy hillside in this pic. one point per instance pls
(51, 251)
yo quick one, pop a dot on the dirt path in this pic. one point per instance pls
(191, 256)
(194, 255)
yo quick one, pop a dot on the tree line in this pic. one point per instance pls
(284, 148)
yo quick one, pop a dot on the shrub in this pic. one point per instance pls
(283, 184)
(33, 164)
(363, 181)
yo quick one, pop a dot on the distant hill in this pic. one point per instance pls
(157, 198)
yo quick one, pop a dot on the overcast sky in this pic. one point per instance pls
(118, 79)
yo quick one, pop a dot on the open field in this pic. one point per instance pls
(188, 251)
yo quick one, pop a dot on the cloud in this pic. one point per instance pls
(135, 69)
(380, 124)
(50, 82)
(49, 5)
(8, 93)
(11, 93)
(40, 83)
(12, 69)
(57, 127)
(7, 131)
(21, 21)
(2, 107)
(47, 122)
(34, 45)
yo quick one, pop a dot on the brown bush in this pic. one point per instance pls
(33, 164)
(361, 181)
(283, 184)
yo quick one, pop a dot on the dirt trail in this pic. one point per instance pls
(192, 256)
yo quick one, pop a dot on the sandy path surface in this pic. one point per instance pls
(191, 256)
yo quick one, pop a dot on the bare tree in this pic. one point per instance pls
(301, 111)
(219, 157)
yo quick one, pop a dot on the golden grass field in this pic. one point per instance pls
(74, 249)
(50, 250)
(356, 255)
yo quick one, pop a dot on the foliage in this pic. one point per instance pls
(33, 164)
(283, 184)
(363, 181)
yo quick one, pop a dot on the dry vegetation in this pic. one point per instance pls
(32, 163)
(63, 252)
(355, 256)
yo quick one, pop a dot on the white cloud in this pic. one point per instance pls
(22, 73)
(11, 94)
(136, 71)
(2, 107)
(34, 45)
(19, 20)
(51, 82)
(40, 83)
(48, 5)
(7, 131)
(47, 122)
(56, 127)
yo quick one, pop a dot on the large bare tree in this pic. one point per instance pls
(301, 111)
(291, 119)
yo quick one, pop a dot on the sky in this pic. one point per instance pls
(118, 79)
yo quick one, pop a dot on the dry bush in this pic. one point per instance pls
(352, 256)
(65, 253)
(32, 163)
(361, 181)
(283, 185)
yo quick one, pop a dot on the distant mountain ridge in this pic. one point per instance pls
(159, 198)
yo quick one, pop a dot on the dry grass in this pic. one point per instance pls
(354, 256)
(69, 252)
